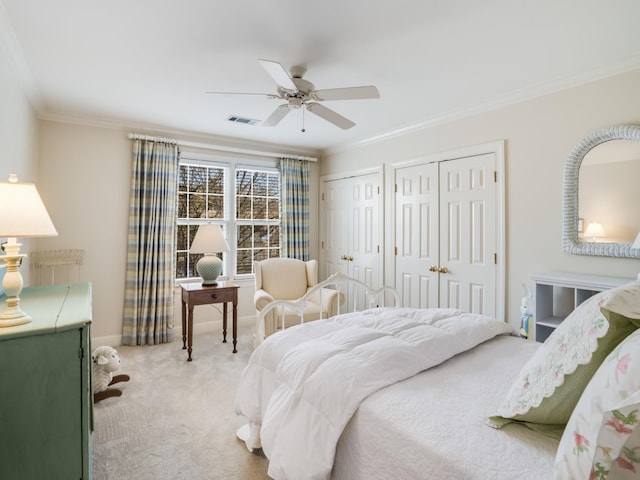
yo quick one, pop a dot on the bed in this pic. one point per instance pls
(391, 392)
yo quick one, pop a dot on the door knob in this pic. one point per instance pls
(433, 268)
(443, 269)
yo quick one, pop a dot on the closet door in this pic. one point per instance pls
(445, 216)
(467, 267)
(417, 235)
(351, 245)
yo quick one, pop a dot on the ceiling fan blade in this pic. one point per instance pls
(277, 115)
(349, 93)
(329, 115)
(279, 74)
(268, 95)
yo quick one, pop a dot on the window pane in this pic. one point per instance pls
(273, 209)
(274, 185)
(260, 183)
(216, 181)
(182, 178)
(244, 262)
(196, 206)
(181, 238)
(182, 205)
(274, 236)
(274, 252)
(198, 179)
(259, 208)
(243, 208)
(243, 182)
(181, 265)
(261, 236)
(215, 207)
(245, 236)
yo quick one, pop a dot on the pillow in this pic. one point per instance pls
(551, 382)
(602, 438)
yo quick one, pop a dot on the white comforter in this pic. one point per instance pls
(302, 385)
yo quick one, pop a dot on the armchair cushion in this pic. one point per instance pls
(282, 278)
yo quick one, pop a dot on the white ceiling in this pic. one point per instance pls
(147, 63)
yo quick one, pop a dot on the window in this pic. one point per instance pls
(245, 202)
(257, 217)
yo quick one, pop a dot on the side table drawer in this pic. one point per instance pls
(217, 296)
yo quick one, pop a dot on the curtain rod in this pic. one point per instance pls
(136, 136)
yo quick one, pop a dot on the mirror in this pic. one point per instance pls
(601, 186)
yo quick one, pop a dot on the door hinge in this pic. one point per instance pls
(495, 258)
(323, 196)
(395, 250)
(322, 245)
(495, 176)
(395, 188)
(378, 249)
(81, 352)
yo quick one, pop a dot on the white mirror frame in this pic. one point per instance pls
(570, 243)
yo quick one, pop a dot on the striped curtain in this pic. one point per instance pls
(294, 206)
(148, 302)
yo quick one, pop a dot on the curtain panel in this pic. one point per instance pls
(294, 206)
(150, 272)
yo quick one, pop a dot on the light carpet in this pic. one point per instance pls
(175, 419)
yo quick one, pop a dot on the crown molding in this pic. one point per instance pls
(495, 103)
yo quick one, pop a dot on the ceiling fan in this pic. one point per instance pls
(300, 93)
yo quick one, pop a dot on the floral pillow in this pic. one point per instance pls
(602, 438)
(550, 384)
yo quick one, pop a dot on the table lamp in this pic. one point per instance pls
(22, 214)
(209, 240)
(636, 243)
(594, 231)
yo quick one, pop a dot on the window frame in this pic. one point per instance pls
(228, 223)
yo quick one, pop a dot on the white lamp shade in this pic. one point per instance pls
(636, 243)
(594, 230)
(22, 213)
(209, 239)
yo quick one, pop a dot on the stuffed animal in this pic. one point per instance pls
(106, 361)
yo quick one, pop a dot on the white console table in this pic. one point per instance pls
(557, 294)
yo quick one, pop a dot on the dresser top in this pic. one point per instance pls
(51, 308)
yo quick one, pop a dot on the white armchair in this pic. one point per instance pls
(290, 279)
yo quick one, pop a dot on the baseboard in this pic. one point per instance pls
(200, 327)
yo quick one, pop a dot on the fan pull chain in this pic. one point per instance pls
(303, 109)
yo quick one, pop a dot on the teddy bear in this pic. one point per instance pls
(105, 361)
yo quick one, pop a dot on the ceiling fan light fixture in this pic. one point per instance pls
(295, 102)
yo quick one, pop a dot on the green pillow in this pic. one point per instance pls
(550, 384)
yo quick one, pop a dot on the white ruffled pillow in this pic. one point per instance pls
(602, 438)
(551, 383)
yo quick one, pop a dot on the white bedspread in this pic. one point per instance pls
(431, 426)
(302, 385)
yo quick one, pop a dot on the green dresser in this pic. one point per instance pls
(45, 386)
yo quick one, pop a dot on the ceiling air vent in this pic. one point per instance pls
(246, 121)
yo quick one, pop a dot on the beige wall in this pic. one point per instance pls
(86, 176)
(539, 134)
(18, 138)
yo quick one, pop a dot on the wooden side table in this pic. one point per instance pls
(197, 294)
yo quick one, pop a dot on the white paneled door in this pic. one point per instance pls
(350, 211)
(446, 235)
